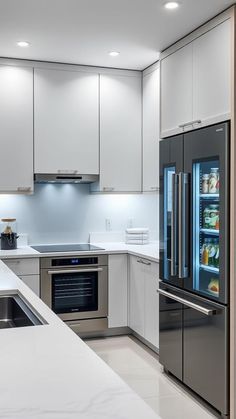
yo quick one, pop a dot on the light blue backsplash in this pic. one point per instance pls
(68, 213)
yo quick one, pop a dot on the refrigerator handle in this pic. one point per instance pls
(183, 225)
(173, 266)
(203, 310)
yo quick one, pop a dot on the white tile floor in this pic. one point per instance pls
(139, 368)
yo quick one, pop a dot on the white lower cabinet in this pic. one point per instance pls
(118, 291)
(27, 269)
(151, 304)
(143, 299)
(136, 296)
(33, 282)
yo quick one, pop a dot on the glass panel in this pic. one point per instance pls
(74, 292)
(168, 172)
(206, 225)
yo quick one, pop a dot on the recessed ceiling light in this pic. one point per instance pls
(23, 44)
(114, 53)
(171, 5)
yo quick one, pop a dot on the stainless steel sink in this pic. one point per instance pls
(15, 312)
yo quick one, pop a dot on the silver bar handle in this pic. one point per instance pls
(24, 188)
(108, 189)
(74, 271)
(183, 268)
(173, 264)
(186, 124)
(67, 172)
(143, 262)
(187, 303)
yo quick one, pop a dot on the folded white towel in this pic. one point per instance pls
(139, 230)
(137, 236)
(137, 241)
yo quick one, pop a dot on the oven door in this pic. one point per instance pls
(78, 293)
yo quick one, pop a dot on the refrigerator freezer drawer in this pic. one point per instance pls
(170, 352)
(205, 363)
(194, 344)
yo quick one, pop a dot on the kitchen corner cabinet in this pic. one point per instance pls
(195, 82)
(120, 133)
(16, 121)
(144, 299)
(117, 291)
(27, 269)
(151, 98)
(66, 110)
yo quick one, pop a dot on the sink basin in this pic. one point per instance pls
(14, 312)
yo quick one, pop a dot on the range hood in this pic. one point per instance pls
(64, 178)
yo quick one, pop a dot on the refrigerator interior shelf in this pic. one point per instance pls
(210, 195)
(209, 268)
(210, 231)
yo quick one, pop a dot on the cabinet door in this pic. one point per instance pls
(211, 69)
(151, 90)
(23, 266)
(176, 91)
(66, 122)
(120, 133)
(136, 296)
(118, 291)
(151, 304)
(32, 281)
(16, 122)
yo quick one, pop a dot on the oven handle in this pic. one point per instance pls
(74, 271)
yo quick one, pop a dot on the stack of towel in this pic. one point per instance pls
(137, 235)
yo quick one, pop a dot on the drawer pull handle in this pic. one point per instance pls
(24, 189)
(187, 303)
(143, 262)
(108, 189)
(67, 172)
(186, 124)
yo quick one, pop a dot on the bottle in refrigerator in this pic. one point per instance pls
(205, 252)
(206, 217)
(213, 217)
(205, 183)
(214, 181)
(217, 249)
(212, 253)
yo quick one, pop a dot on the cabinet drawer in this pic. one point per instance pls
(23, 266)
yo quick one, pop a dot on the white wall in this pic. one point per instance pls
(68, 213)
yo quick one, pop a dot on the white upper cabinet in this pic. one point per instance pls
(176, 90)
(211, 75)
(16, 122)
(151, 92)
(66, 110)
(120, 133)
(195, 82)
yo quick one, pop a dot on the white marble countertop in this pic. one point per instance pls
(49, 372)
(149, 251)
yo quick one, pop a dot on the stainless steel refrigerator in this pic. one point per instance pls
(194, 261)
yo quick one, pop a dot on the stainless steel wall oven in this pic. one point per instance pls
(76, 289)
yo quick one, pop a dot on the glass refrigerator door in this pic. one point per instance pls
(168, 219)
(206, 228)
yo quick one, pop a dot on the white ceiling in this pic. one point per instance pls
(84, 31)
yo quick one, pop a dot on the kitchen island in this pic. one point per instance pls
(49, 372)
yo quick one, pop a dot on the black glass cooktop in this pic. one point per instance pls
(81, 247)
